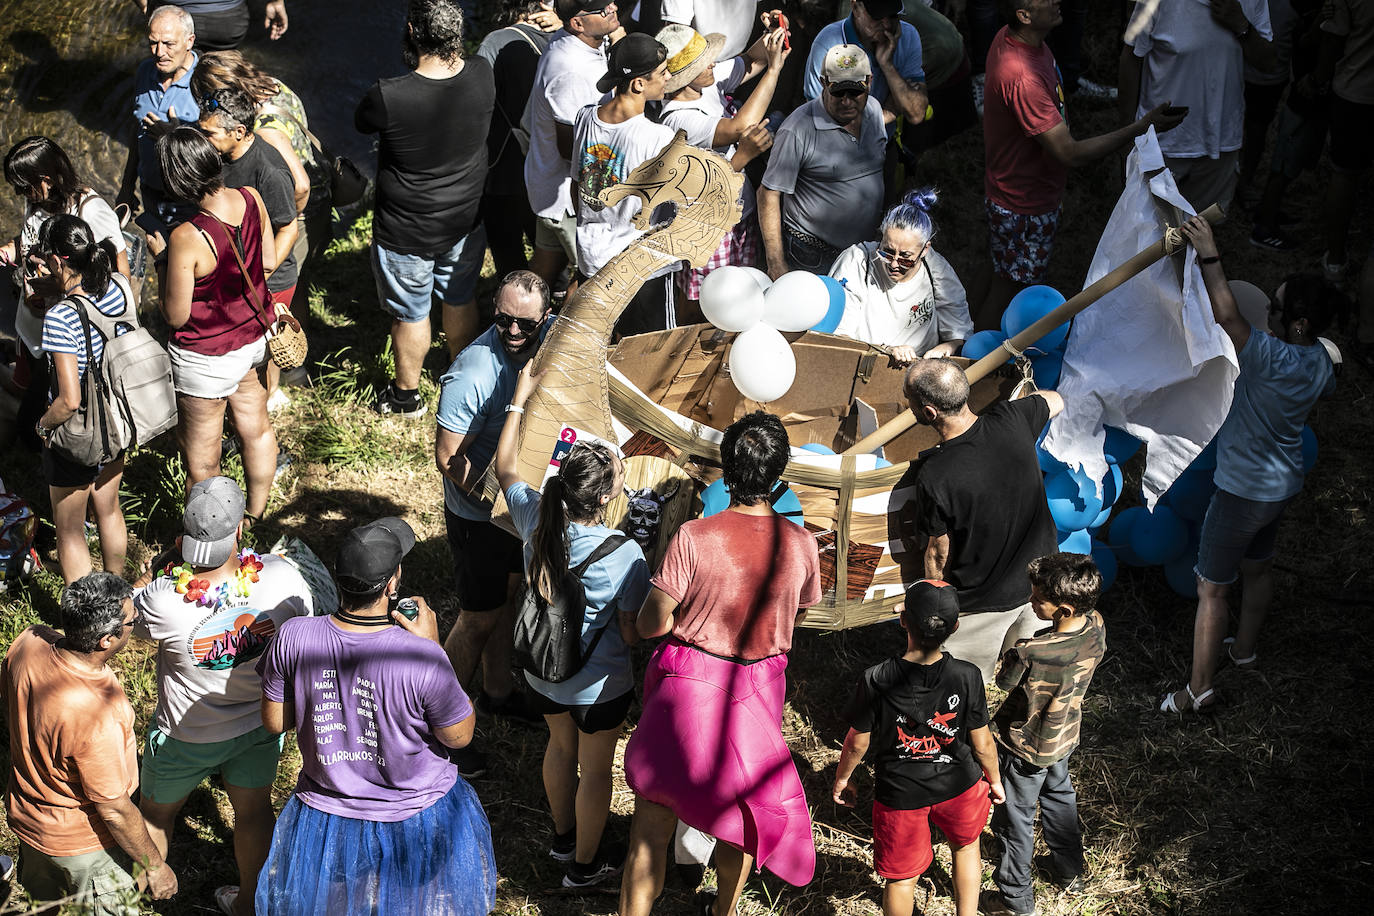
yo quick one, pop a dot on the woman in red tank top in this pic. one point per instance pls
(214, 295)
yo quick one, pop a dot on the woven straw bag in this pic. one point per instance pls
(286, 342)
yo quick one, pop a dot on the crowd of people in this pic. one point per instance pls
(228, 194)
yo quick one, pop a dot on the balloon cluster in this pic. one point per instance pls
(1046, 354)
(745, 300)
(1167, 537)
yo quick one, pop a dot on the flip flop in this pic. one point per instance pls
(226, 897)
(1195, 701)
(1247, 662)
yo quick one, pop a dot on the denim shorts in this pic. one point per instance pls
(1236, 529)
(408, 283)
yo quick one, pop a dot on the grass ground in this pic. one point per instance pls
(1263, 807)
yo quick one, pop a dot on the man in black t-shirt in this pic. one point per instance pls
(226, 118)
(431, 165)
(925, 714)
(978, 507)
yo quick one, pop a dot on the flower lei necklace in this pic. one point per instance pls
(198, 591)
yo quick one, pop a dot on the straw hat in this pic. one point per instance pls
(689, 53)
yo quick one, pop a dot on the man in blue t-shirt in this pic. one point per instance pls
(162, 97)
(894, 55)
(1283, 372)
(487, 562)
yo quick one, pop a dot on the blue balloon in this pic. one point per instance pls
(1180, 576)
(835, 312)
(1120, 445)
(1101, 519)
(1119, 535)
(1046, 368)
(1074, 503)
(1159, 536)
(983, 343)
(716, 498)
(817, 448)
(881, 463)
(1075, 542)
(1309, 449)
(1207, 458)
(1106, 563)
(1190, 494)
(1028, 307)
(1111, 486)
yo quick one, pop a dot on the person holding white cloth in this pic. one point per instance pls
(899, 292)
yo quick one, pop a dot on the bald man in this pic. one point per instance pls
(980, 512)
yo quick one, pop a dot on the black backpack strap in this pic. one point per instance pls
(607, 547)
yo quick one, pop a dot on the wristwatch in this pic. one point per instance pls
(42, 431)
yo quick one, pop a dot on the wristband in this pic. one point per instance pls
(514, 408)
(1212, 260)
(1245, 33)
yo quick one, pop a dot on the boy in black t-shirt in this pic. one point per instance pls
(926, 714)
(1037, 729)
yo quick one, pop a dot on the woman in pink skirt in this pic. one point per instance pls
(708, 749)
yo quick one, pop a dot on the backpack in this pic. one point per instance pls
(548, 636)
(17, 525)
(127, 396)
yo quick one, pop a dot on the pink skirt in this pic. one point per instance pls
(709, 746)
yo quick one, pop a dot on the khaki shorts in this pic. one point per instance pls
(982, 638)
(557, 235)
(98, 880)
(1204, 181)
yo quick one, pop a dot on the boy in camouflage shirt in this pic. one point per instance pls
(1037, 728)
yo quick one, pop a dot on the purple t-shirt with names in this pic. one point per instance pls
(366, 706)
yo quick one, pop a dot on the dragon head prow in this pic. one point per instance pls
(681, 174)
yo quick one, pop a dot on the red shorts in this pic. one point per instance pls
(901, 838)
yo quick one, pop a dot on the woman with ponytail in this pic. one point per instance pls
(585, 713)
(81, 267)
(900, 292)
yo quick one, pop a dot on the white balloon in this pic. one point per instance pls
(796, 301)
(763, 279)
(762, 364)
(730, 299)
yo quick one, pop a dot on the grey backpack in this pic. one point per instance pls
(127, 397)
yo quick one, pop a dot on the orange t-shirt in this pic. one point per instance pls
(71, 745)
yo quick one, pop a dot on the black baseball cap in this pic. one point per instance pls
(932, 608)
(881, 9)
(567, 9)
(371, 554)
(637, 54)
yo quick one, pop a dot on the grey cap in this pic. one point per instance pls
(214, 508)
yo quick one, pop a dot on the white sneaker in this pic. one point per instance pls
(1334, 272)
(278, 400)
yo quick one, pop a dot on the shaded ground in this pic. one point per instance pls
(1262, 808)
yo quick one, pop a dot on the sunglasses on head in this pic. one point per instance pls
(526, 325)
(210, 104)
(847, 92)
(901, 262)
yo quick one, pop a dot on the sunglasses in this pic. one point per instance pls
(901, 262)
(847, 92)
(527, 325)
(210, 104)
(138, 618)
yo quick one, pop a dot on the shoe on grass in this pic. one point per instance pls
(1087, 89)
(392, 401)
(597, 872)
(278, 400)
(1272, 239)
(564, 846)
(1334, 272)
(992, 903)
(471, 762)
(226, 897)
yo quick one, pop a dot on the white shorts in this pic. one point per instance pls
(202, 376)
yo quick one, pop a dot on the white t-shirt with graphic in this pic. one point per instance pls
(208, 688)
(603, 155)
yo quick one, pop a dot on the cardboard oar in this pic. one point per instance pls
(1172, 242)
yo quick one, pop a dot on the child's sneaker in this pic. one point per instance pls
(563, 846)
(598, 872)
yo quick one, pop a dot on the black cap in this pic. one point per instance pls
(932, 608)
(881, 9)
(567, 9)
(371, 554)
(637, 54)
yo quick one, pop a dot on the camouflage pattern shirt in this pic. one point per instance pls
(1046, 678)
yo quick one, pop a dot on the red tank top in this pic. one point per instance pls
(224, 315)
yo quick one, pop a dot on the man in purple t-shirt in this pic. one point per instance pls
(376, 706)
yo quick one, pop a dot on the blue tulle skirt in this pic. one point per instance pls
(439, 861)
